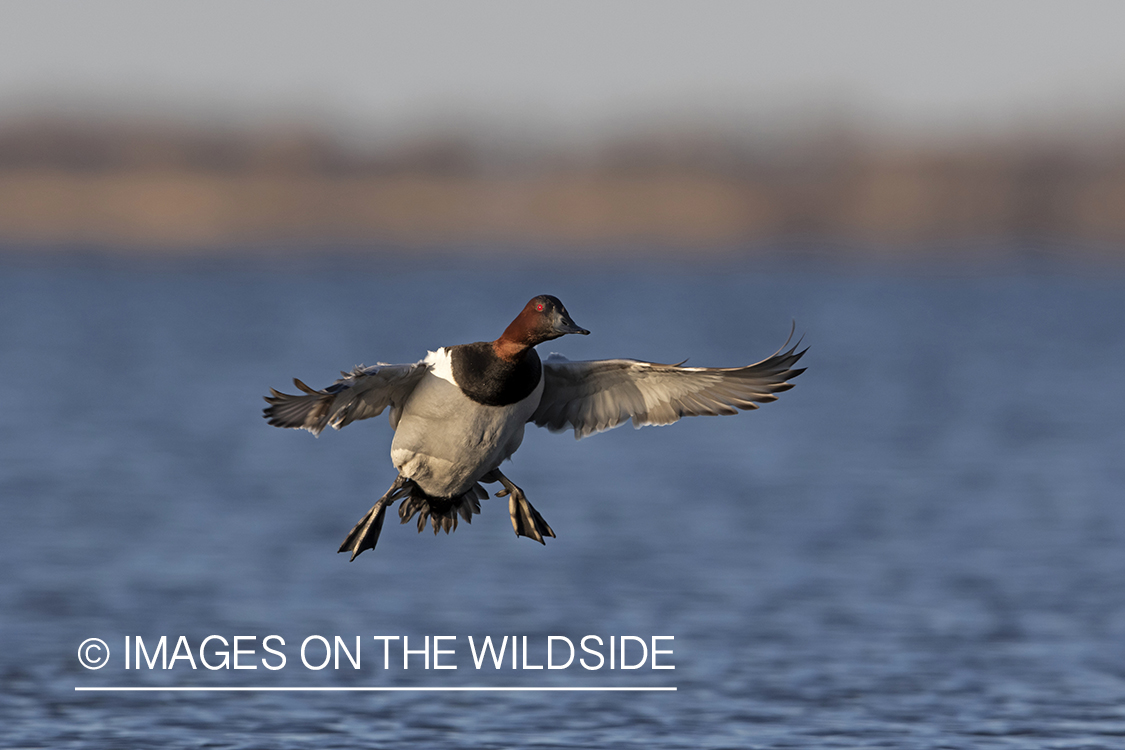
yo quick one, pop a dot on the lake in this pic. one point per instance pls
(922, 545)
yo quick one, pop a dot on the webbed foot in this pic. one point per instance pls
(365, 534)
(525, 519)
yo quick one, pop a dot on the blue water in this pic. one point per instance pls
(922, 545)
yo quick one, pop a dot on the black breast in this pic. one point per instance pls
(488, 379)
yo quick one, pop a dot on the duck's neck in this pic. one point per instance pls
(510, 349)
(517, 338)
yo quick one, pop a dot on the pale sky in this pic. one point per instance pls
(574, 67)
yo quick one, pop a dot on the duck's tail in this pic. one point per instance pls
(441, 511)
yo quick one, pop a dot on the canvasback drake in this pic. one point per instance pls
(461, 411)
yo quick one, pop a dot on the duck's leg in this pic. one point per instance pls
(525, 519)
(365, 534)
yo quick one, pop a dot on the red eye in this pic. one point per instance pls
(539, 307)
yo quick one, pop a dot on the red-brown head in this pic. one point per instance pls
(542, 319)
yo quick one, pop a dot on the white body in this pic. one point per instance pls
(445, 441)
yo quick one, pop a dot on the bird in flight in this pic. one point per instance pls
(461, 411)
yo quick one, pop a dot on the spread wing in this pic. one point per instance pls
(364, 392)
(599, 395)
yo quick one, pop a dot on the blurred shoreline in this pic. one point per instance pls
(148, 187)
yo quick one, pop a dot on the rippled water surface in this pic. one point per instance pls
(920, 546)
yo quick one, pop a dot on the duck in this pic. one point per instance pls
(460, 412)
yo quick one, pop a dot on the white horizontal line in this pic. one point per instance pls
(372, 689)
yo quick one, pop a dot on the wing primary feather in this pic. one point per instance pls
(362, 393)
(598, 395)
